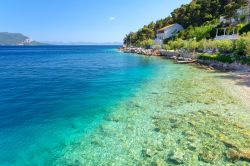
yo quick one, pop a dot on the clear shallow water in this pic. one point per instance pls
(50, 95)
(94, 106)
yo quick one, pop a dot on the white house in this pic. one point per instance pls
(167, 32)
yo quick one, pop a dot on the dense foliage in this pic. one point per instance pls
(217, 57)
(225, 58)
(197, 17)
(220, 50)
(199, 33)
(200, 11)
(239, 47)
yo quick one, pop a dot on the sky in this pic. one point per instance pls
(81, 20)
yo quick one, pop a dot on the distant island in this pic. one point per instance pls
(85, 43)
(16, 39)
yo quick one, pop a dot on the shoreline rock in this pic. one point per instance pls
(183, 57)
(142, 51)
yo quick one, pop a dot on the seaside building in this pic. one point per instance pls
(229, 30)
(167, 32)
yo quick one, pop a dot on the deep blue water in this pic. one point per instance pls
(51, 95)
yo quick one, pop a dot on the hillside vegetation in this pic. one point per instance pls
(198, 18)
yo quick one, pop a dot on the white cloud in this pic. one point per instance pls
(111, 18)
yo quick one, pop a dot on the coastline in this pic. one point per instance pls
(183, 57)
(234, 75)
(182, 116)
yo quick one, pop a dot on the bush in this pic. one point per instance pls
(224, 58)
(242, 45)
(246, 37)
(216, 57)
(242, 59)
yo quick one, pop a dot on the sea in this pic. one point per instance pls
(94, 105)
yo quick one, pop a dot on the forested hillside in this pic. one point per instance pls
(191, 16)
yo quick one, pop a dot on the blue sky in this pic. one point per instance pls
(81, 20)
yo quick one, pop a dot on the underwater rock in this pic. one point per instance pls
(107, 129)
(172, 120)
(175, 125)
(130, 127)
(233, 154)
(157, 130)
(189, 133)
(207, 156)
(239, 126)
(208, 134)
(241, 154)
(191, 123)
(148, 152)
(229, 144)
(192, 146)
(191, 139)
(204, 112)
(113, 118)
(247, 133)
(191, 136)
(160, 162)
(245, 154)
(157, 117)
(97, 141)
(170, 106)
(176, 156)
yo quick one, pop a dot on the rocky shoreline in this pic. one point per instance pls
(142, 51)
(186, 57)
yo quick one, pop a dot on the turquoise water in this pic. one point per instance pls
(91, 105)
(50, 96)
